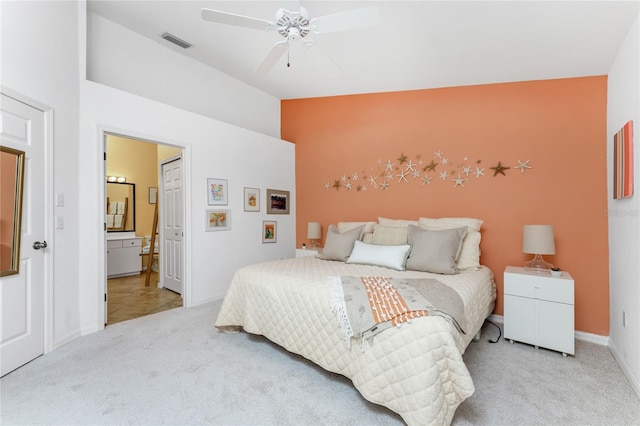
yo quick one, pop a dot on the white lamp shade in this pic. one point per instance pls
(314, 231)
(538, 239)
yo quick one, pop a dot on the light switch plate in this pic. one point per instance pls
(59, 200)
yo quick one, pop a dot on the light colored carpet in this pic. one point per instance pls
(175, 368)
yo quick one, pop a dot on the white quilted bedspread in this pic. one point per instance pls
(415, 370)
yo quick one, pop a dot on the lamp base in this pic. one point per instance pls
(314, 244)
(538, 264)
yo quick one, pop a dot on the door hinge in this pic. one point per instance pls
(105, 156)
(105, 297)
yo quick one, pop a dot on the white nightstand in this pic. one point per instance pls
(306, 252)
(539, 309)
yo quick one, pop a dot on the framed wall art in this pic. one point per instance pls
(217, 220)
(269, 231)
(277, 201)
(251, 199)
(623, 162)
(217, 190)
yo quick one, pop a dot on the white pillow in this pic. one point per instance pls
(396, 222)
(470, 253)
(429, 224)
(348, 226)
(393, 257)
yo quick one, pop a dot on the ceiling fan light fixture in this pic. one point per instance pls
(292, 25)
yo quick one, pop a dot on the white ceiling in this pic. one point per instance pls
(416, 45)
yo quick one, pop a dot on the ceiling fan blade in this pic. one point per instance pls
(272, 57)
(349, 20)
(227, 18)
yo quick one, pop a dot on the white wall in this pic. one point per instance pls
(213, 150)
(39, 59)
(624, 215)
(42, 57)
(120, 58)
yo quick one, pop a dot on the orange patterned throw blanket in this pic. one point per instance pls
(386, 302)
(365, 306)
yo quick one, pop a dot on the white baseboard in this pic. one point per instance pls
(633, 381)
(499, 319)
(208, 300)
(592, 338)
(68, 338)
(598, 340)
(580, 335)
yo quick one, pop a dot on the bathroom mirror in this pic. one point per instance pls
(121, 207)
(11, 182)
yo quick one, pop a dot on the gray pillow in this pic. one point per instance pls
(435, 251)
(338, 246)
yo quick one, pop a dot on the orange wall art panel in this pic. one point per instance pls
(623, 162)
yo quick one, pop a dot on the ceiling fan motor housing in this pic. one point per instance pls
(292, 25)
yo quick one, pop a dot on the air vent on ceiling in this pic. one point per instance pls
(175, 40)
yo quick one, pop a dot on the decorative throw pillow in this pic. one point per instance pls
(393, 257)
(435, 251)
(470, 254)
(338, 246)
(389, 235)
(367, 237)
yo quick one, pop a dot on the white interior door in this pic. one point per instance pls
(22, 295)
(172, 231)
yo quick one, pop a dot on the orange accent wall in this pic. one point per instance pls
(558, 125)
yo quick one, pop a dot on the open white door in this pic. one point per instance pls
(172, 227)
(22, 295)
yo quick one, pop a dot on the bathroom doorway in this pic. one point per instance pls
(133, 164)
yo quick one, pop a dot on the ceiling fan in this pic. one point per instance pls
(296, 27)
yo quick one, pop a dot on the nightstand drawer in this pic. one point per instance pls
(517, 282)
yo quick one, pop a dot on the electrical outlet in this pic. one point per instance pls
(624, 319)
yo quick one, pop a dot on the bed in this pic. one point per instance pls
(415, 369)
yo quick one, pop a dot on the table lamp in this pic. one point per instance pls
(538, 240)
(314, 233)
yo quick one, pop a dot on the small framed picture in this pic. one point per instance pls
(251, 199)
(217, 220)
(217, 190)
(277, 201)
(269, 231)
(153, 194)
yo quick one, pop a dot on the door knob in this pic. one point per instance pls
(39, 245)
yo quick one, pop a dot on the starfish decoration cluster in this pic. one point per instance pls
(404, 170)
